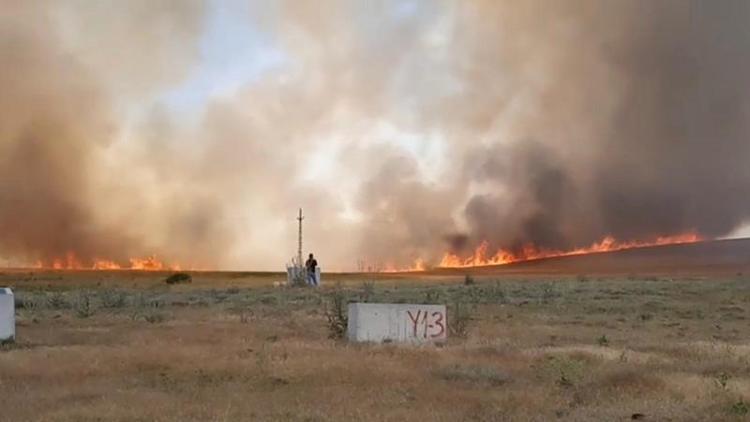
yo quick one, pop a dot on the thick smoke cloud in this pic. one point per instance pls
(58, 114)
(404, 128)
(641, 118)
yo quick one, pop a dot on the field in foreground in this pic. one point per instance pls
(127, 347)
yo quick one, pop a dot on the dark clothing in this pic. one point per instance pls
(311, 264)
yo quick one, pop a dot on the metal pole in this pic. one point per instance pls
(299, 244)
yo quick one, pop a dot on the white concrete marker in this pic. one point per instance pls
(402, 323)
(7, 315)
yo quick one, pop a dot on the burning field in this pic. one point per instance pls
(569, 177)
(582, 338)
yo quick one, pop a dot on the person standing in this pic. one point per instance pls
(311, 265)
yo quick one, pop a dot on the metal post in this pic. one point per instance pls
(299, 244)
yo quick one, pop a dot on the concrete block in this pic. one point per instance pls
(400, 323)
(7, 315)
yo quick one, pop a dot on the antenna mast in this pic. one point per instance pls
(299, 243)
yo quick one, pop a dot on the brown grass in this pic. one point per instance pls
(232, 348)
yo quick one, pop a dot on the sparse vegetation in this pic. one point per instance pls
(722, 380)
(526, 348)
(480, 375)
(82, 306)
(459, 319)
(602, 340)
(368, 291)
(336, 313)
(57, 300)
(112, 298)
(433, 296)
(740, 408)
(566, 371)
(153, 316)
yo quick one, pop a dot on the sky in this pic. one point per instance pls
(233, 53)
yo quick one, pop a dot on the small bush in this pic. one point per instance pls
(57, 301)
(459, 319)
(740, 408)
(432, 296)
(179, 278)
(564, 380)
(549, 293)
(368, 291)
(722, 380)
(7, 344)
(497, 294)
(336, 313)
(112, 299)
(83, 307)
(603, 341)
(245, 315)
(154, 317)
(567, 371)
(148, 310)
(29, 303)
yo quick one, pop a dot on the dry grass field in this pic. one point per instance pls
(119, 346)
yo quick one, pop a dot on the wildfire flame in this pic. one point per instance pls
(482, 257)
(418, 265)
(71, 262)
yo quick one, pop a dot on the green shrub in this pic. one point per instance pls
(740, 408)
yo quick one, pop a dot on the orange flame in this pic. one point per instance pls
(71, 262)
(481, 258)
(418, 265)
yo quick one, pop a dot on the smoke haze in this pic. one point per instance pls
(405, 129)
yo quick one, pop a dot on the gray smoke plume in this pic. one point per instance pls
(404, 128)
(641, 122)
(65, 65)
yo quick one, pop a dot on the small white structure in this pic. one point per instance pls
(297, 275)
(7, 315)
(402, 323)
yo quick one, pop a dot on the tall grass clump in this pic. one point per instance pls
(336, 312)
